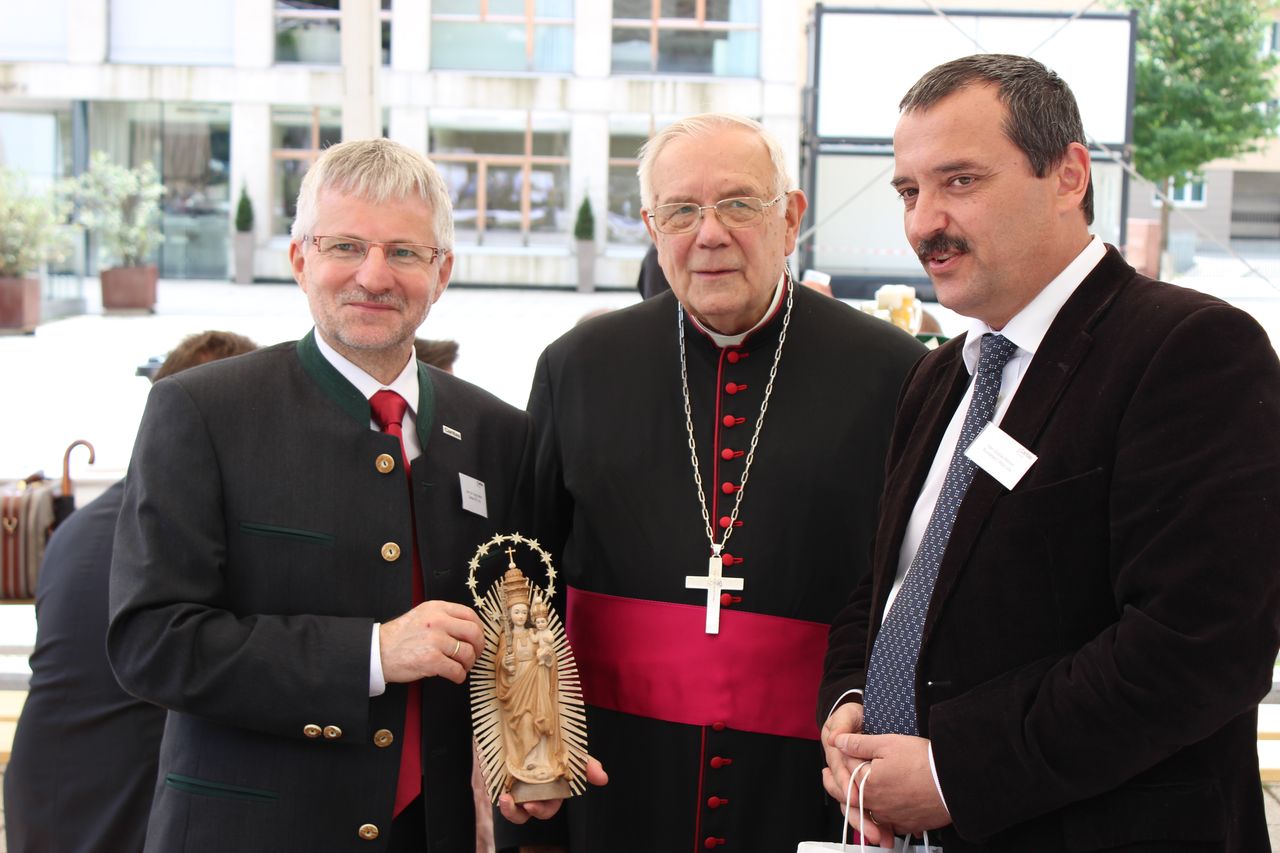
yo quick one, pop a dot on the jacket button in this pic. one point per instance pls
(391, 552)
(727, 599)
(729, 453)
(383, 738)
(734, 388)
(730, 421)
(717, 762)
(368, 832)
(712, 842)
(733, 356)
(716, 802)
(718, 725)
(729, 560)
(385, 463)
(728, 488)
(332, 732)
(312, 730)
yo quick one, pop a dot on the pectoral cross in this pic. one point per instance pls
(713, 583)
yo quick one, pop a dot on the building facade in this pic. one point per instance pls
(528, 107)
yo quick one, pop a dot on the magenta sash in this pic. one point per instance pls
(654, 659)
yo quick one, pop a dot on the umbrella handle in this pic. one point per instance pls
(66, 463)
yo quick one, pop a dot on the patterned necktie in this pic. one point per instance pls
(388, 410)
(890, 698)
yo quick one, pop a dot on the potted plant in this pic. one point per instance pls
(244, 238)
(30, 234)
(120, 205)
(584, 234)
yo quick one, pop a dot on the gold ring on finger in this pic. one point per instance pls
(457, 644)
(872, 816)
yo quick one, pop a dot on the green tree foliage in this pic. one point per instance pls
(585, 227)
(1202, 83)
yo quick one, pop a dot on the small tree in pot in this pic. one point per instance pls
(244, 238)
(30, 234)
(120, 206)
(584, 234)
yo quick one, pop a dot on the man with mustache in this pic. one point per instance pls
(1074, 604)
(700, 692)
(291, 557)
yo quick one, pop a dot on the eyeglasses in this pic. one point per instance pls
(351, 251)
(683, 216)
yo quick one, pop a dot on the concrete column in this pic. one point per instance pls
(411, 36)
(255, 29)
(589, 167)
(361, 69)
(592, 33)
(251, 163)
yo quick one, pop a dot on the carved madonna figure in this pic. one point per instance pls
(526, 700)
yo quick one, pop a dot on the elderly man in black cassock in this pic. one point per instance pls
(708, 464)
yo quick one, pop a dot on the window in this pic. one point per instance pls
(507, 184)
(686, 37)
(311, 31)
(502, 35)
(1190, 193)
(298, 135)
(624, 224)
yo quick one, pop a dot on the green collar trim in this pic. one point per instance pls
(336, 387)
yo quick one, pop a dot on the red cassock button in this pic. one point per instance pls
(718, 725)
(727, 599)
(729, 453)
(728, 488)
(717, 762)
(730, 421)
(734, 388)
(729, 560)
(712, 842)
(733, 356)
(716, 802)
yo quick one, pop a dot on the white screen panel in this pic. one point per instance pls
(867, 62)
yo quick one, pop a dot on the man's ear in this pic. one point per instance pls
(1072, 175)
(797, 204)
(297, 262)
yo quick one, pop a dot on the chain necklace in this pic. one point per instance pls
(688, 423)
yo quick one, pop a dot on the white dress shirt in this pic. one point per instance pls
(406, 385)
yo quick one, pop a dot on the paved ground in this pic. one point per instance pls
(82, 368)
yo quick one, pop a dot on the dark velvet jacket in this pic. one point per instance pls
(1099, 637)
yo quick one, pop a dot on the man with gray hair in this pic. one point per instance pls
(698, 601)
(290, 561)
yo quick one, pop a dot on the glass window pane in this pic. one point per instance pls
(550, 144)
(386, 42)
(290, 127)
(506, 7)
(709, 52)
(450, 140)
(462, 179)
(547, 209)
(455, 7)
(735, 11)
(627, 146)
(679, 9)
(330, 126)
(554, 9)
(632, 9)
(502, 208)
(286, 181)
(478, 46)
(308, 40)
(631, 51)
(624, 224)
(553, 49)
(307, 5)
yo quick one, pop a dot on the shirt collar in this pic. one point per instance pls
(723, 341)
(1029, 326)
(406, 384)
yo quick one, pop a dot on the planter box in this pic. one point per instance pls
(244, 249)
(19, 304)
(129, 288)
(586, 265)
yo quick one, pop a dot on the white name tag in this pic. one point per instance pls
(451, 432)
(473, 496)
(995, 452)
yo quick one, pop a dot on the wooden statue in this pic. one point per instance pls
(526, 701)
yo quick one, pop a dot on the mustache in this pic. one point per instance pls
(359, 294)
(940, 244)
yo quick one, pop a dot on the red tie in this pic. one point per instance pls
(388, 409)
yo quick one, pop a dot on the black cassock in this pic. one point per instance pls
(709, 740)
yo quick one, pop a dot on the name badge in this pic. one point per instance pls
(451, 432)
(473, 499)
(995, 452)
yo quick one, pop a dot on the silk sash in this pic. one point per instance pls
(654, 659)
